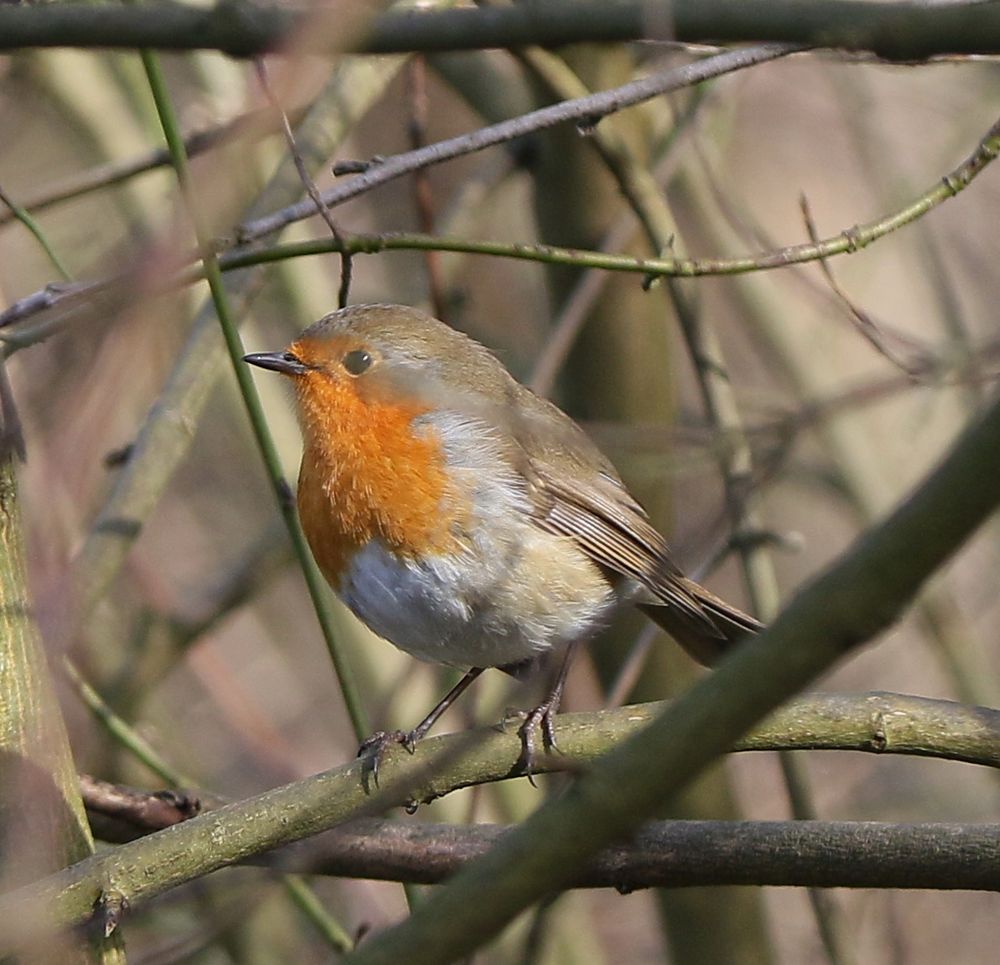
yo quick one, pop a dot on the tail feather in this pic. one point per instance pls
(708, 638)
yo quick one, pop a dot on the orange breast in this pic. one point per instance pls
(366, 474)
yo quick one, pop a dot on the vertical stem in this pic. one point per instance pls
(314, 581)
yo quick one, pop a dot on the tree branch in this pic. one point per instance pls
(898, 31)
(590, 109)
(674, 854)
(877, 722)
(67, 300)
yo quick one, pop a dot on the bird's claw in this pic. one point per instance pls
(373, 749)
(541, 717)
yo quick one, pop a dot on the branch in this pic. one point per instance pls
(253, 124)
(120, 813)
(898, 31)
(847, 241)
(66, 301)
(589, 109)
(673, 854)
(44, 824)
(879, 723)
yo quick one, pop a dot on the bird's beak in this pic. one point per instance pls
(286, 363)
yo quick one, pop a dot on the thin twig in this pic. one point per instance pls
(110, 173)
(568, 324)
(416, 76)
(848, 241)
(166, 433)
(269, 454)
(864, 324)
(334, 934)
(21, 214)
(590, 109)
(310, 185)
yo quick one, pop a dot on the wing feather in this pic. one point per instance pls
(614, 531)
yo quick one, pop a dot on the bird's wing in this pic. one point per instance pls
(599, 514)
(576, 492)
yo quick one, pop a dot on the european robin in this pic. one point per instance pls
(463, 518)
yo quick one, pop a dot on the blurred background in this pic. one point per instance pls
(203, 637)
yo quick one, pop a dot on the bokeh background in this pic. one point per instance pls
(206, 641)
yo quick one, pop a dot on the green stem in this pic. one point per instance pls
(299, 891)
(22, 215)
(210, 263)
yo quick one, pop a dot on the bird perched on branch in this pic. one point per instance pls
(463, 518)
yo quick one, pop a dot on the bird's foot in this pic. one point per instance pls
(373, 749)
(541, 718)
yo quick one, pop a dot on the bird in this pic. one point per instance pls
(466, 520)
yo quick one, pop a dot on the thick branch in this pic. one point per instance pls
(901, 31)
(672, 854)
(878, 722)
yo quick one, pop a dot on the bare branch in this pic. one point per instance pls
(878, 723)
(589, 109)
(899, 31)
(674, 854)
(128, 812)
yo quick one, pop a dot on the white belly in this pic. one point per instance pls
(479, 609)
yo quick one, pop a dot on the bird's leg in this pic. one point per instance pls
(374, 747)
(420, 731)
(543, 714)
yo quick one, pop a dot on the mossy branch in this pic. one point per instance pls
(877, 722)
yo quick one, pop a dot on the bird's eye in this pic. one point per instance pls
(357, 362)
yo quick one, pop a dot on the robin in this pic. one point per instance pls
(463, 518)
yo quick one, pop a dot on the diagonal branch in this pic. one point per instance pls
(65, 301)
(589, 109)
